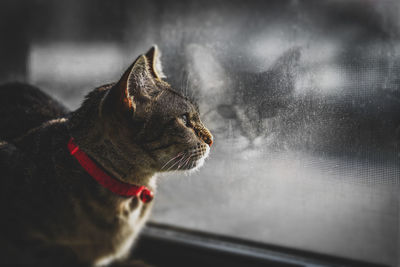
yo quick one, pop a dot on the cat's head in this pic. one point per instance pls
(240, 103)
(149, 122)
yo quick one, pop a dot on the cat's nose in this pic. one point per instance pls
(209, 139)
(204, 134)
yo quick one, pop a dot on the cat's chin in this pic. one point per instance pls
(196, 165)
(190, 163)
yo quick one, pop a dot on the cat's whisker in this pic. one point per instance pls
(171, 160)
(187, 161)
(183, 163)
(177, 162)
(191, 170)
(180, 164)
(173, 165)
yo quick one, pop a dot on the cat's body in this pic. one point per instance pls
(67, 209)
(54, 212)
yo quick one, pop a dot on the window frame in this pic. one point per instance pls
(160, 244)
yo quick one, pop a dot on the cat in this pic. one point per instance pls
(248, 100)
(262, 95)
(76, 190)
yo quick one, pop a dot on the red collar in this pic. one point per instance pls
(115, 186)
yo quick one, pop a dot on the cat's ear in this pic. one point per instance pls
(281, 76)
(153, 56)
(208, 78)
(288, 61)
(136, 86)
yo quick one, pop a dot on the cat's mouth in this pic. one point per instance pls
(191, 159)
(197, 159)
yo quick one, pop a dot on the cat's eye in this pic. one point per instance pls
(185, 119)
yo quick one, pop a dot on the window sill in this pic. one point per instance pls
(164, 245)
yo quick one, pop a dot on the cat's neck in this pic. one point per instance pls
(86, 127)
(126, 168)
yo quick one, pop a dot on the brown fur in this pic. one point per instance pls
(53, 212)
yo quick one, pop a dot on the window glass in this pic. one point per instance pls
(302, 97)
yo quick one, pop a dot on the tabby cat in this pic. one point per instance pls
(77, 190)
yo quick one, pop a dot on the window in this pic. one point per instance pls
(303, 99)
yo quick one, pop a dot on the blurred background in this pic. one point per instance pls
(303, 99)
